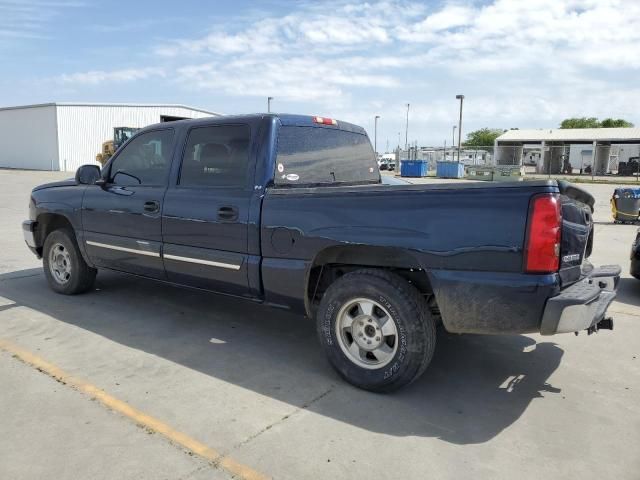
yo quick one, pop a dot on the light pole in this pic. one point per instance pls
(398, 154)
(269, 104)
(453, 137)
(461, 98)
(406, 130)
(375, 134)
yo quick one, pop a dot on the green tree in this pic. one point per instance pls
(483, 137)
(584, 122)
(593, 122)
(615, 123)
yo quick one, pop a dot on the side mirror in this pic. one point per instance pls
(87, 174)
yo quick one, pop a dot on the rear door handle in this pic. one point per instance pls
(152, 206)
(228, 213)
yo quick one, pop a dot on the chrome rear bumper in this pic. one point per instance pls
(583, 305)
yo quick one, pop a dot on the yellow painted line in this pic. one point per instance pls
(235, 468)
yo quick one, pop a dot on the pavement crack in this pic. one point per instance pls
(193, 472)
(284, 418)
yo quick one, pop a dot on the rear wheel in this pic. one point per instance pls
(64, 267)
(376, 330)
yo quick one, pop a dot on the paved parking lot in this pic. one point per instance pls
(251, 384)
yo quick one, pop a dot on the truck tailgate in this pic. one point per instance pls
(577, 232)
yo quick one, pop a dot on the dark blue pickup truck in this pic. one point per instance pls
(290, 211)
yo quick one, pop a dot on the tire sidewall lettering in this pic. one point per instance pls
(327, 323)
(402, 334)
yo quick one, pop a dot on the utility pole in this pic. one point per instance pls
(398, 154)
(461, 98)
(453, 137)
(406, 130)
(269, 104)
(375, 134)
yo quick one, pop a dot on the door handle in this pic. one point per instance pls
(152, 206)
(228, 213)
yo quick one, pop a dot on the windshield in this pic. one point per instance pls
(316, 155)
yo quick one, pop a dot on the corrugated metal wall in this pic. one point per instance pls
(83, 128)
(28, 138)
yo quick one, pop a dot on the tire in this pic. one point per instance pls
(402, 356)
(64, 267)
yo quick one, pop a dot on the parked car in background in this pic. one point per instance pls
(387, 164)
(290, 211)
(387, 161)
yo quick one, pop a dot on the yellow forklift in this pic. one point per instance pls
(120, 135)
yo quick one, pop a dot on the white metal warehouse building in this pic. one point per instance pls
(63, 136)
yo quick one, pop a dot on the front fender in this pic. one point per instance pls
(44, 212)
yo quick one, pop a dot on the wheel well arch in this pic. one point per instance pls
(47, 223)
(333, 262)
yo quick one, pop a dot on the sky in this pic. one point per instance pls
(520, 64)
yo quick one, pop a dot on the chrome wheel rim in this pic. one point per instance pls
(60, 263)
(366, 333)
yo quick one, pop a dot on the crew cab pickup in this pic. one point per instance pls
(290, 211)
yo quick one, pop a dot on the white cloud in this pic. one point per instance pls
(508, 34)
(303, 78)
(521, 63)
(31, 19)
(451, 16)
(95, 77)
(504, 35)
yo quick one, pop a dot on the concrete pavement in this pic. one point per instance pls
(252, 383)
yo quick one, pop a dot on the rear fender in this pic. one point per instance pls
(491, 302)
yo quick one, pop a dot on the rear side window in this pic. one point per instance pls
(216, 156)
(316, 155)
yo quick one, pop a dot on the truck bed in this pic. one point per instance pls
(468, 237)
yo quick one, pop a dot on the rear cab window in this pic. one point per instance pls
(315, 155)
(216, 156)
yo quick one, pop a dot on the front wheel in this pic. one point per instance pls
(376, 330)
(64, 267)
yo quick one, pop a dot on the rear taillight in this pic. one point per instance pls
(542, 250)
(325, 121)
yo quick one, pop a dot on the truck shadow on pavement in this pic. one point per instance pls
(628, 292)
(475, 387)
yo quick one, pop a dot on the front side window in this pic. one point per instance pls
(145, 160)
(216, 156)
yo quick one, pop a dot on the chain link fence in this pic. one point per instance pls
(576, 159)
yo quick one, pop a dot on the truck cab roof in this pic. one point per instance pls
(287, 119)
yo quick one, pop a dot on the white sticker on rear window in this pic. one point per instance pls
(280, 167)
(292, 177)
